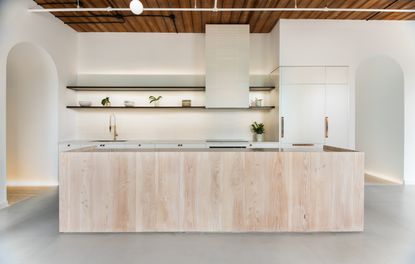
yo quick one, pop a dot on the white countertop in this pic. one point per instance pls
(135, 141)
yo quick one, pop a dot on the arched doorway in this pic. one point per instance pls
(380, 117)
(31, 117)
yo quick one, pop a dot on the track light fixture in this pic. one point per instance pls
(136, 7)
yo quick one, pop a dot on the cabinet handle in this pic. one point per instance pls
(326, 132)
(282, 127)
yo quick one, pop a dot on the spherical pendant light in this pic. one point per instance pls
(136, 7)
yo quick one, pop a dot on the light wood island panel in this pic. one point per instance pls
(211, 191)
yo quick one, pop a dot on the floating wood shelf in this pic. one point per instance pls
(171, 107)
(261, 88)
(158, 88)
(136, 88)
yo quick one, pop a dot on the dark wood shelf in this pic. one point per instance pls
(261, 88)
(136, 88)
(155, 88)
(169, 107)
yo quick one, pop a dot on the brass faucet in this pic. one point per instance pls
(113, 126)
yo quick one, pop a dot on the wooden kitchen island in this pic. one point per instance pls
(211, 190)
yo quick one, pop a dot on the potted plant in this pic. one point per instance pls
(106, 101)
(259, 131)
(155, 100)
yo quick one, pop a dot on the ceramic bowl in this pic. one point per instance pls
(129, 103)
(85, 103)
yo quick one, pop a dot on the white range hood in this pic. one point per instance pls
(227, 66)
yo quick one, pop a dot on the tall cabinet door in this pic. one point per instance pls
(337, 107)
(302, 114)
(337, 115)
(227, 66)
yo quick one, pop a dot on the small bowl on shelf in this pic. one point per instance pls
(129, 103)
(85, 103)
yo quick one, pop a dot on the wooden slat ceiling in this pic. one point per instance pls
(260, 22)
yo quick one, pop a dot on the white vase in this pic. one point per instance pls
(259, 137)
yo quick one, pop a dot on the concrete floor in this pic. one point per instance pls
(29, 234)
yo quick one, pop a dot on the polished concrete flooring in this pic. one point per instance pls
(29, 234)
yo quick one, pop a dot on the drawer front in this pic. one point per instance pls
(181, 145)
(263, 145)
(69, 146)
(146, 146)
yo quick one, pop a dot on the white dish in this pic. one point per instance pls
(129, 103)
(85, 103)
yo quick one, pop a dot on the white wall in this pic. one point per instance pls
(17, 25)
(380, 117)
(331, 42)
(158, 53)
(32, 119)
(157, 59)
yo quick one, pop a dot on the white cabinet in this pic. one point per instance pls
(315, 106)
(227, 66)
(72, 146)
(337, 114)
(337, 75)
(181, 145)
(303, 75)
(146, 146)
(302, 114)
(266, 145)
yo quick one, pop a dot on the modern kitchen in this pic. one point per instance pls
(207, 125)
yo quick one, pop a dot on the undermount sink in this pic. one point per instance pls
(110, 140)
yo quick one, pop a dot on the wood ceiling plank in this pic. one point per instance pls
(262, 17)
(260, 22)
(275, 16)
(187, 17)
(366, 4)
(179, 15)
(245, 16)
(168, 22)
(152, 23)
(196, 17)
(235, 16)
(401, 4)
(226, 16)
(103, 27)
(127, 25)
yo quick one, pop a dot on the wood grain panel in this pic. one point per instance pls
(335, 192)
(146, 192)
(211, 191)
(260, 22)
(97, 192)
(169, 209)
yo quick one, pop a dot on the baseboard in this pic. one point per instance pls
(385, 178)
(4, 204)
(410, 182)
(31, 184)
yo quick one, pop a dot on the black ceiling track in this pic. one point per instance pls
(75, 3)
(119, 18)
